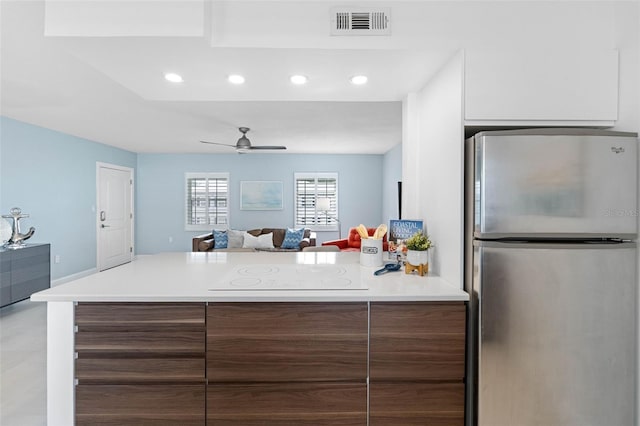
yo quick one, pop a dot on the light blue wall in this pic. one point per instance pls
(391, 175)
(52, 177)
(160, 204)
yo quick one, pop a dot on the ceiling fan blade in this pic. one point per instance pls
(217, 143)
(268, 147)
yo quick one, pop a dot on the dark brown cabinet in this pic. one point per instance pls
(23, 272)
(287, 363)
(270, 363)
(417, 358)
(140, 363)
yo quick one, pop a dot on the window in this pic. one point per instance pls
(207, 201)
(316, 197)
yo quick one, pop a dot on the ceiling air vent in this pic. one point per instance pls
(360, 21)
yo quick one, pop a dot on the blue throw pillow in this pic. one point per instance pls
(220, 239)
(292, 238)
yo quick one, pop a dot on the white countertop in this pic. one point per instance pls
(190, 277)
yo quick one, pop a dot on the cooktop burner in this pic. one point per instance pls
(291, 277)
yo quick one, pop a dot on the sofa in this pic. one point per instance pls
(206, 242)
(353, 241)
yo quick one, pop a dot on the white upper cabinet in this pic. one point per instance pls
(541, 87)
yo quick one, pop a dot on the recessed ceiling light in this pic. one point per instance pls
(359, 79)
(299, 79)
(236, 79)
(173, 77)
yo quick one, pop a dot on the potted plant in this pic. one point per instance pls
(417, 249)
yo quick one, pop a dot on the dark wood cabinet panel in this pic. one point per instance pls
(416, 419)
(236, 319)
(286, 342)
(151, 341)
(270, 364)
(418, 318)
(123, 405)
(297, 420)
(413, 341)
(130, 314)
(287, 364)
(140, 370)
(287, 358)
(407, 403)
(23, 272)
(287, 404)
(159, 329)
(140, 364)
(416, 364)
(417, 357)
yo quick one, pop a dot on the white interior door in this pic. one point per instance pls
(114, 215)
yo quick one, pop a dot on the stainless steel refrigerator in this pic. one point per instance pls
(550, 264)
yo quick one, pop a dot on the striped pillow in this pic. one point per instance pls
(292, 238)
(220, 239)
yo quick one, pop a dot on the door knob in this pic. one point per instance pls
(104, 226)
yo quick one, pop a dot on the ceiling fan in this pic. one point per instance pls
(244, 144)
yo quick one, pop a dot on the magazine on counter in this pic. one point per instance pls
(400, 230)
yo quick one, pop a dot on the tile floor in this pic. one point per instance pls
(23, 372)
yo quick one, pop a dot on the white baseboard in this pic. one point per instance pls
(72, 277)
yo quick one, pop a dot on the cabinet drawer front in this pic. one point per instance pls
(140, 313)
(140, 341)
(417, 357)
(418, 318)
(23, 272)
(140, 370)
(332, 420)
(236, 319)
(412, 419)
(417, 341)
(287, 358)
(144, 404)
(5, 278)
(416, 403)
(286, 341)
(30, 262)
(287, 403)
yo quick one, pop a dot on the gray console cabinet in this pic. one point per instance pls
(23, 272)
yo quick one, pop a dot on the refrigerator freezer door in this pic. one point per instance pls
(557, 334)
(562, 186)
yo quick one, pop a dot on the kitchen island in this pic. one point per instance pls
(259, 338)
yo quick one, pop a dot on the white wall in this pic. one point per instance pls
(433, 156)
(391, 175)
(410, 157)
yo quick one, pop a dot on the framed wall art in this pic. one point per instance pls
(260, 195)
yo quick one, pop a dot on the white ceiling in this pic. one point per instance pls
(84, 68)
(94, 69)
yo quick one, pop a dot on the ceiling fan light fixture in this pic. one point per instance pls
(298, 79)
(173, 77)
(359, 80)
(244, 144)
(235, 79)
